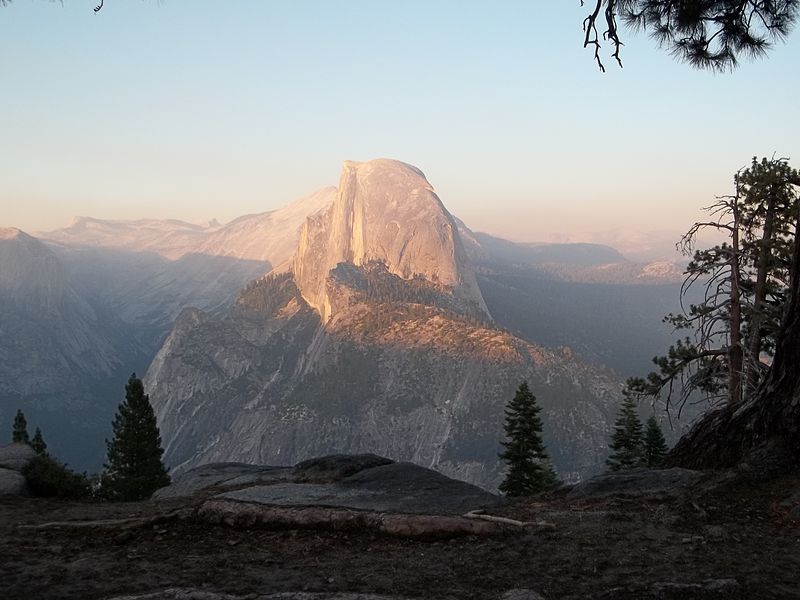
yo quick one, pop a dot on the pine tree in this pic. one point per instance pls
(655, 446)
(529, 469)
(19, 434)
(134, 469)
(626, 441)
(38, 444)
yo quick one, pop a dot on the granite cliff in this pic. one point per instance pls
(385, 211)
(376, 340)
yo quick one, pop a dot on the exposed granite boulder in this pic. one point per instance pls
(12, 483)
(395, 488)
(220, 475)
(16, 456)
(639, 482)
(335, 467)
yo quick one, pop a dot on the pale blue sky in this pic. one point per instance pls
(195, 109)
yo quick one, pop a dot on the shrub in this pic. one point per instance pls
(49, 478)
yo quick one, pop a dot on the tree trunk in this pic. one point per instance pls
(760, 296)
(735, 351)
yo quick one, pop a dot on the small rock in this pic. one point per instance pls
(124, 537)
(693, 539)
(232, 542)
(716, 533)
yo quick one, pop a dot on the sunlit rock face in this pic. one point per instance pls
(375, 340)
(385, 211)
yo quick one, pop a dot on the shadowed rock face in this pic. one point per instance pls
(394, 488)
(384, 211)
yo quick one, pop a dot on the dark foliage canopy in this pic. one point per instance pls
(708, 34)
(134, 469)
(529, 469)
(49, 478)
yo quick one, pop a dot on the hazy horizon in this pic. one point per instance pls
(180, 110)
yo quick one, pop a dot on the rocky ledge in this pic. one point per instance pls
(339, 492)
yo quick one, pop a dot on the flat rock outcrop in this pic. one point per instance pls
(220, 475)
(338, 492)
(393, 488)
(639, 482)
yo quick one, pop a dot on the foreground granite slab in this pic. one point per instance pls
(394, 488)
(337, 492)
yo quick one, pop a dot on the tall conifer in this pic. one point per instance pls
(134, 469)
(626, 441)
(529, 469)
(655, 446)
(19, 433)
(38, 444)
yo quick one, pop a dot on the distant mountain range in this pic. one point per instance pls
(385, 325)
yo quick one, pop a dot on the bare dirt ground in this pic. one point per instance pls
(741, 541)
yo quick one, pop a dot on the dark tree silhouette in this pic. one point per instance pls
(134, 469)
(708, 34)
(655, 446)
(38, 444)
(626, 441)
(19, 433)
(529, 469)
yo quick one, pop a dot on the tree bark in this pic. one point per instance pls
(735, 351)
(760, 296)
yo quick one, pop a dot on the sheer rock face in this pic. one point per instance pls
(384, 211)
